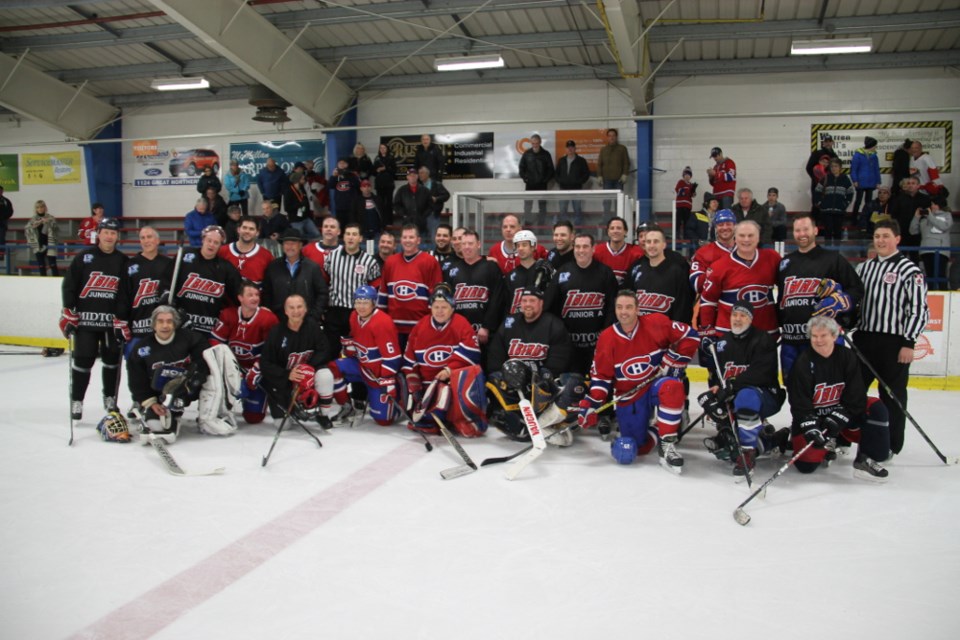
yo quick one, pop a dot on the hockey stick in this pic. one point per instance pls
(293, 417)
(70, 392)
(536, 435)
(176, 273)
(468, 466)
(161, 448)
(730, 417)
(283, 423)
(691, 426)
(886, 387)
(406, 416)
(741, 516)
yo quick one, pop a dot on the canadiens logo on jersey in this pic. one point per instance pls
(100, 286)
(438, 354)
(298, 357)
(650, 302)
(197, 285)
(757, 294)
(636, 368)
(146, 292)
(827, 395)
(527, 350)
(577, 300)
(794, 287)
(404, 290)
(470, 292)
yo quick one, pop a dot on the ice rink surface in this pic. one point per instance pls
(362, 538)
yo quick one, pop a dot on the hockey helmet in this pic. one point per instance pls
(109, 223)
(624, 450)
(724, 215)
(516, 373)
(113, 428)
(365, 292)
(442, 292)
(525, 235)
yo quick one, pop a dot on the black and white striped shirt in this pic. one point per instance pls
(347, 272)
(895, 298)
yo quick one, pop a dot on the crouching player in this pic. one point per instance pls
(442, 359)
(829, 401)
(372, 357)
(292, 360)
(640, 359)
(747, 360)
(244, 330)
(182, 362)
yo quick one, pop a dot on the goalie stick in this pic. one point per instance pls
(536, 449)
(468, 466)
(161, 448)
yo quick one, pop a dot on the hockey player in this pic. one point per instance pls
(562, 252)
(440, 346)
(530, 272)
(294, 354)
(90, 300)
(504, 252)
(146, 284)
(828, 400)
(182, 360)
(724, 223)
(408, 278)
(541, 342)
(640, 359)
(244, 330)
(800, 294)
(662, 285)
(477, 288)
(748, 273)
(617, 253)
(206, 283)
(372, 356)
(582, 294)
(329, 241)
(750, 387)
(249, 258)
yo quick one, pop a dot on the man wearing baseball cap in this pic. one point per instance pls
(572, 173)
(723, 177)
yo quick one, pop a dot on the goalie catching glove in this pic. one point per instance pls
(833, 301)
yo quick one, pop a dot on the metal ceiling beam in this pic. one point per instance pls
(236, 31)
(812, 63)
(31, 92)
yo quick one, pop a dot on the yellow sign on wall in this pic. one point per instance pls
(62, 167)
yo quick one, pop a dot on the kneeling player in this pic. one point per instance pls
(443, 355)
(182, 363)
(829, 401)
(372, 357)
(640, 358)
(747, 360)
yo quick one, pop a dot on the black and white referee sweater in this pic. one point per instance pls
(346, 272)
(895, 298)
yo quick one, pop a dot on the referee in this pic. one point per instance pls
(347, 268)
(892, 315)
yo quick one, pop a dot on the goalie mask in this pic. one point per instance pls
(113, 428)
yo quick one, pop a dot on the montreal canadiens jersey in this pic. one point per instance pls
(91, 287)
(748, 359)
(477, 292)
(317, 252)
(507, 259)
(798, 277)
(732, 278)
(432, 347)
(544, 341)
(251, 264)
(817, 384)
(145, 287)
(626, 360)
(725, 181)
(405, 287)
(376, 342)
(664, 288)
(204, 287)
(702, 260)
(244, 336)
(618, 260)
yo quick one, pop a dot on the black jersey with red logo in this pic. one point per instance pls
(477, 292)
(584, 300)
(203, 288)
(91, 287)
(664, 288)
(145, 286)
(544, 341)
(748, 359)
(817, 384)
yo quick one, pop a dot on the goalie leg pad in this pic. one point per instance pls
(468, 401)
(255, 406)
(215, 416)
(572, 391)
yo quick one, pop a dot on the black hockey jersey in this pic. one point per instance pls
(91, 287)
(798, 277)
(478, 292)
(203, 288)
(749, 360)
(144, 287)
(584, 300)
(151, 361)
(557, 259)
(544, 341)
(664, 288)
(817, 384)
(286, 348)
(536, 276)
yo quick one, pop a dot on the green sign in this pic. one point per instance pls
(9, 172)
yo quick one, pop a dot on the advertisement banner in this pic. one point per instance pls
(466, 155)
(252, 156)
(9, 172)
(157, 165)
(61, 167)
(930, 344)
(512, 144)
(936, 137)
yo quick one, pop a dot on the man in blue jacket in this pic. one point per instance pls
(865, 173)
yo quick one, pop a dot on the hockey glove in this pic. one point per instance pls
(308, 398)
(69, 320)
(834, 422)
(671, 366)
(121, 328)
(827, 288)
(708, 335)
(414, 384)
(388, 387)
(706, 342)
(253, 377)
(349, 347)
(833, 305)
(307, 375)
(712, 405)
(588, 414)
(809, 427)
(725, 391)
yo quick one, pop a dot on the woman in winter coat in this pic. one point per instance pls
(865, 172)
(933, 225)
(384, 177)
(834, 195)
(41, 231)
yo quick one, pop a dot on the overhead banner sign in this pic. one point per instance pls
(466, 155)
(252, 156)
(9, 172)
(935, 136)
(162, 166)
(62, 167)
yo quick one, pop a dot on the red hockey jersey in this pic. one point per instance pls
(620, 260)
(405, 287)
(376, 343)
(507, 260)
(702, 259)
(732, 278)
(251, 264)
(88, 231)
(432, 347)
(724, 182)
(244, 336)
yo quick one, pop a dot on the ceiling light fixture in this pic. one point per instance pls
(828, 47)
(464, 63)
(179, 84)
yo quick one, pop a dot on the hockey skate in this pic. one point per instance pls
(344, 417)
(670, 458)
(109, 403)
(866, 468)
(722, 445)
(605, 428)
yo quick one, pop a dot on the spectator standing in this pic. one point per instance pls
(684, 192)
(41, 232)
(272, 226)
(6, 212)
(237, 183)
(723, 177)
(700, 223)
(88, 228)
(904, 207)
(777, 214)
(826, 149)
(438, 198)
(749, 209)
(317, 191)
(385, 173)
(571, 174)
(900, 168)
(613, 165)
(360, 163)
(536, 171)
(430, 155)
(207, 180)
(367, 214)
(865, 173)
(296, 204)
(411, 203)
(216, 206)
(271, 180)
(834, 195)
(345, 186)
(933, 224)
(923, 166)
